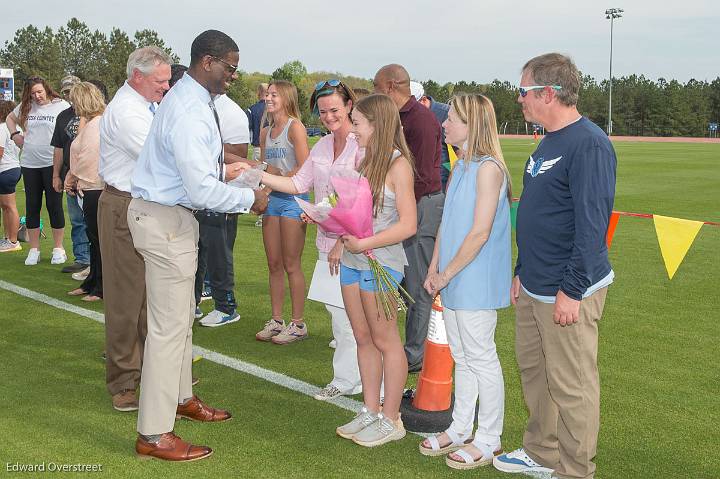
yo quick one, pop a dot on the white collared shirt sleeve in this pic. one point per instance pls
(196, 145)
(135, 128)
(234, 124)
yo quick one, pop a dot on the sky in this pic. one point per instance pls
(449, 40)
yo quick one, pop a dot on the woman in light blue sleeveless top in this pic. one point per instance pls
(471, 269)
(284, 146)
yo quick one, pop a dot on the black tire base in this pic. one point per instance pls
(418, 420)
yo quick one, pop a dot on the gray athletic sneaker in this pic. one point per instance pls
(363, 419)
(293, 332)
(382, 431)
(272, 328)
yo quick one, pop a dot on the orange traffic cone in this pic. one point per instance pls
(428, 409)
(434, 388)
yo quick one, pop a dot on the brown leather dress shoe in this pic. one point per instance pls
(125, 401)
(197, 410)
(170, 448)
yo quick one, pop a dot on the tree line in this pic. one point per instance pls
(641, 106)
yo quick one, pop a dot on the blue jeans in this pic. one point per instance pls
(80, 243)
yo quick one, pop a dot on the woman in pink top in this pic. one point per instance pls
(83, 179)
(333, 102)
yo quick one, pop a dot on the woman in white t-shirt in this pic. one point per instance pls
(9, 177)
(36, 115)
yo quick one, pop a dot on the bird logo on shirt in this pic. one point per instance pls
(540, 166)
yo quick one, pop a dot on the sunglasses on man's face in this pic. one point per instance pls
(525, 89)
(229, 67)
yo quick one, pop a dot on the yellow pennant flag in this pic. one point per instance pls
(451, 155)
(675, 237)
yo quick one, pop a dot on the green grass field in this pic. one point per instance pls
(658, 358)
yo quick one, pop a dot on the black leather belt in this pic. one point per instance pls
(192, 211)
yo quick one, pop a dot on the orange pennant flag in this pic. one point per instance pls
(614, 217)
(675, 236)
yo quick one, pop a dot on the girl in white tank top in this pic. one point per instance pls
(388, 167)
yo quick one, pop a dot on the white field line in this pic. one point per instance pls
(233, 363)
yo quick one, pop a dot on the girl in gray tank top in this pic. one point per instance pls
(279, 151)
(284, 145)
(388, 169)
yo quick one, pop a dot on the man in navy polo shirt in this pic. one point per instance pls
(562, 274)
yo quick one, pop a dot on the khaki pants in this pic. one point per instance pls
(123, 293)
(167, 238)
(558, 369)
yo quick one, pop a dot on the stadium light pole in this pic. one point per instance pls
(611, 14)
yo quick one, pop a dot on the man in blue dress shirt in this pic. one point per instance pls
(180, 170)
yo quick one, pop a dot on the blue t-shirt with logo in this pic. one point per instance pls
(564, 210)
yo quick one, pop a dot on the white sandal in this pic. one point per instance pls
(436, 450)
(471, 463)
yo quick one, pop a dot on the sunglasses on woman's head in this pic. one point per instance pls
(333, 83)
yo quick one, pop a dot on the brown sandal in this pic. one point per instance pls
(435, 449)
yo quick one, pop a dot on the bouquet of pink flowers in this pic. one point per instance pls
(349, 211)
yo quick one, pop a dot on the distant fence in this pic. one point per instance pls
(659, 139)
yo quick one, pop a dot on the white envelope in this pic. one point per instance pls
(324, 287)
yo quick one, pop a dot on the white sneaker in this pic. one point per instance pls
(58, 256)
(333, 344)
(328, 392)
(518, 461)
(33, 257)
(217, 318)
(81, 275)
(382, 431)
(363, 419)
(6, 246)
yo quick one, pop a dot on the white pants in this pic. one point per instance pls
(346, 374)
(478, 375)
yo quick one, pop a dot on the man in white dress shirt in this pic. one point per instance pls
(123, 128)
(180, 170)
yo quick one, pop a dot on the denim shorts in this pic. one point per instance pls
(282, 204)
(8, 180)
(350, 276)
